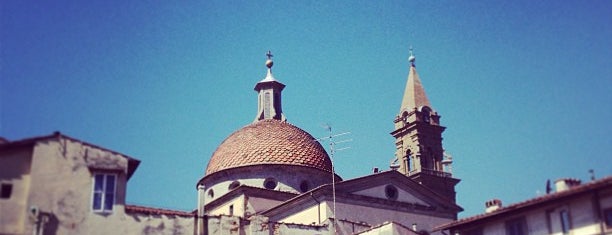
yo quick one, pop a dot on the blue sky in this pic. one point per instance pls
(523, 87)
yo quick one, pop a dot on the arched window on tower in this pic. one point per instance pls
(267, 105)
(277, 104)
(425, 114)
(409, 166)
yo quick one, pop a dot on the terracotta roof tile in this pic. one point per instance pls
(269, 142)
(155, 211)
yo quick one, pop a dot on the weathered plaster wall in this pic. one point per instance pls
(15, 170)
(237, 204)
(62, 184)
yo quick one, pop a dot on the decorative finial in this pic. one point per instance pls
(269, 62)
(411, 58)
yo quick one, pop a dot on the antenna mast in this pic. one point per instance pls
(332, 151)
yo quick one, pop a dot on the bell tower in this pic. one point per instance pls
(418, 139)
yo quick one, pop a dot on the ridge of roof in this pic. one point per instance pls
(603, 182)
(156, 211)
(132, 162)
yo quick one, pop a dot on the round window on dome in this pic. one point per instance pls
(304, 186)
(270, 183)
(233, 185)
(391, 192)
(211, 193)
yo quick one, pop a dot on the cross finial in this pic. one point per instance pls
(269, 55)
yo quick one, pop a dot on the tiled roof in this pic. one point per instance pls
(269, 142)
(538, 201)
(131, 209)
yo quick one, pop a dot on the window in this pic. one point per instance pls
(565, 221)
(233, 185)
(211, 193)
(270, 183)
(267, 105)
(104, 192)
(277, 104)
(516, 227)
(608, 217)
(391, 192)
(304, 186)
(409, 166)
(6, 190)
(425, 112)
(231, 210)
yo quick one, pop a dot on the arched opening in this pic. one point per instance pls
(233, 185)
(304, 186)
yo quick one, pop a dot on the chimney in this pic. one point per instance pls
(566, 184)
(375, 169)
(492, 205)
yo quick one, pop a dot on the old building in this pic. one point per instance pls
(269, 177)
(574, 208)
(57, 184)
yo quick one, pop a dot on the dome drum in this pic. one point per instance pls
(293, 179)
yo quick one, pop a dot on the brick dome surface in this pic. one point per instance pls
(269, 142)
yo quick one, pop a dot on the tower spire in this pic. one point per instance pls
(414, 94)
(418, 139)
(269, 95)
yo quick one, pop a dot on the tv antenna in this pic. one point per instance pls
(332, 151)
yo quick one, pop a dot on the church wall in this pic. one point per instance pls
(237, 210)
(227, 225)
(314, 214)
(375, 216)
(15, 171)
(379, 192)
(255, 205)
(363, 215)
(288, 178)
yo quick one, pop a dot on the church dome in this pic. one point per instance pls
(269, 142)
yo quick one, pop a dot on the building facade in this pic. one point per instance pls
(57, 184)
(269, 177)
(574, 208)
